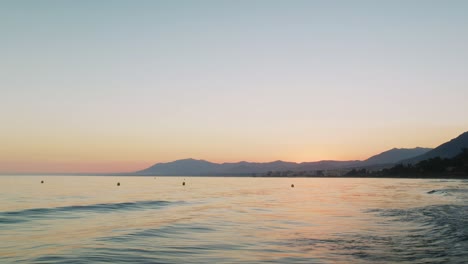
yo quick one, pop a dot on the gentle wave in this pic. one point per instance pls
(449, 192)
(440, 232)
(439, 235)
(240, 221)
(67, 211)
(174, 230)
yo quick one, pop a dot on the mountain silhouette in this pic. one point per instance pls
(447, 150)
(394, 155)
(183, 167)
(193, 167)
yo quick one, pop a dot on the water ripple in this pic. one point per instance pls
(12, 217)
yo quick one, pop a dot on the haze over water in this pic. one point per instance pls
(77, 219)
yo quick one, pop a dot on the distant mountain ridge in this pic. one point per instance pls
(193, 167)
(446, 150)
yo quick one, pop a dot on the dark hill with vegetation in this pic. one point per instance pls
(447, 160)
(394, 156)
(455, 166)
(445, 151)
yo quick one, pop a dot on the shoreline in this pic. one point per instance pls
(435, 177)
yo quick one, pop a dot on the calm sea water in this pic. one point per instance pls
(232, 220)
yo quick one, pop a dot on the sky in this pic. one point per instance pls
(115, 86)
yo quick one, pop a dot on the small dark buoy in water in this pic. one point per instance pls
(292, 185)
(183, 183)
(118, 184)
(42, 181)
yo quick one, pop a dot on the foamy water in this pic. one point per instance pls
(76, 219)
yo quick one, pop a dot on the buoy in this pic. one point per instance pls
(42, 181)
(118, 184)
(292, 185)
(183, 183)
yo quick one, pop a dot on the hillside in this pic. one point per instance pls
(449, 149)
(182, 167)
(394, 155)
(193, 167)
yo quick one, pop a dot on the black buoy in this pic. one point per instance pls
(292, 185)
(118, 184)
(42, 181)
(183, 183)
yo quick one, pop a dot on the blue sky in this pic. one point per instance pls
(91, 84)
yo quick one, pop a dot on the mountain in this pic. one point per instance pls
(193, 167)
(394, 155)
(182, 167)
(447, 150)
(327, 165)
(244, 167)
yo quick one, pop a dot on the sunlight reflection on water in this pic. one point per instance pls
(213, 219)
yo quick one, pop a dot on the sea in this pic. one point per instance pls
(110, 219)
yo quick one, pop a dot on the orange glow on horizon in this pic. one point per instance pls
(49, 154)
(69, 167)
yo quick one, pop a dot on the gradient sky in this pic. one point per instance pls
(105, 86)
